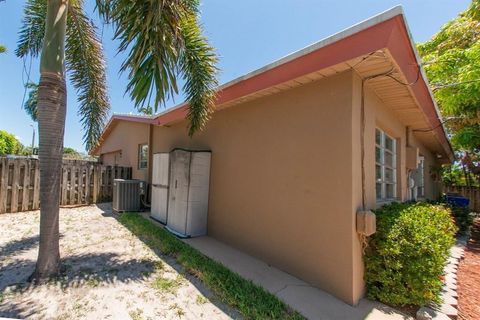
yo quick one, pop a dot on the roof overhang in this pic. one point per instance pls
(376, 45)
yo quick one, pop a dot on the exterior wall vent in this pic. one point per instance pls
(126, 195)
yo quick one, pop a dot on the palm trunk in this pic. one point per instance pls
(51, 126)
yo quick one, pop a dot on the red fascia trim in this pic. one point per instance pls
(361, 43)
(134, 119)
(408, 64)
(390, 34)
(172, 116)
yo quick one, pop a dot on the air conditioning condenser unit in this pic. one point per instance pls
(126, 195)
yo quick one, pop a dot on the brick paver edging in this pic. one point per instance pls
(448, 309)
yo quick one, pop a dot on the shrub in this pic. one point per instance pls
(463, 217)
(404, 260)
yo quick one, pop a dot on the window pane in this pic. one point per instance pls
(389, 159)
(378, 190)
(390, 190)
(421, 192)
(378, 155)
(378, 173)
(143, 156)
(389, 143)
(144, 151)
(389, 175)
(378, 137)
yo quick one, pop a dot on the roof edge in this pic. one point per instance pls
(358, 27)
(396, 11)
(423, 74)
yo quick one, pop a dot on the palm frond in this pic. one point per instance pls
(162, 40)
(30, 105)
(149, 31)
(87, 71)
(32, 30)
(197, 63)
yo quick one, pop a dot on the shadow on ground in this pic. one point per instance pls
(92, 269)
(18, 246)
(86, 270)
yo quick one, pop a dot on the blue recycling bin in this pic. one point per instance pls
(457, 200)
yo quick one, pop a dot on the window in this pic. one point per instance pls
(420, 178)
(142, 156)
(385, 166)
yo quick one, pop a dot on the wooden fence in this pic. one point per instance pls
(472, 193)
(82, 182)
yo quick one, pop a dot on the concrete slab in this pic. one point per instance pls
(311, 302)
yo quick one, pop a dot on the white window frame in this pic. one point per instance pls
(381, 181)
(142, 162)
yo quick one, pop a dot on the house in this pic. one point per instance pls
(302, 144)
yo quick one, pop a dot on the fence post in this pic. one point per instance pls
(3, 184)
(26, 186)
(95, 182)
(36, 187)
(88, 170)
(15, 186)
(82, 182)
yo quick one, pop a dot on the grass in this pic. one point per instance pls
(136, 314)
(252, 301)
(167, 285)
(201, 300)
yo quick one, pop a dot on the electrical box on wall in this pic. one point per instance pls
(366, 223)
(412, 158)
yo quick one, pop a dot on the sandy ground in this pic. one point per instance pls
(108, 273)
(468, 278)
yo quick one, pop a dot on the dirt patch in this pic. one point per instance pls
(108, 273)
(468, 278)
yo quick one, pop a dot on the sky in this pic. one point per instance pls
(247, 35)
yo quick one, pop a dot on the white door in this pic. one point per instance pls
(178, 195)
(160, 187)
(198, 194)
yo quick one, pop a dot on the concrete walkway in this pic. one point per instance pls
(311, 302)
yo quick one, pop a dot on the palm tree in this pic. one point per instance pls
(162, 40)
(146, 110)
(30, 105)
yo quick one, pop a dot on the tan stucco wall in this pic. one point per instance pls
(433, 188)
(377, 114)
(286, 176)
(125, 138)
(281, 179)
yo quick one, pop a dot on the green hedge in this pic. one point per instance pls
(463, 217)
(405, 258)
